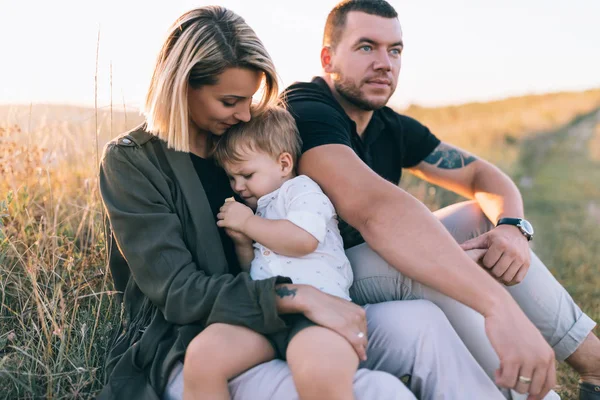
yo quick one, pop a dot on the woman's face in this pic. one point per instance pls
(216, 108)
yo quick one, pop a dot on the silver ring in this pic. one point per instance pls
(524, 379)
(361, 335)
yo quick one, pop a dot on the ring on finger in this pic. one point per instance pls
(524, 380)
(361, 335)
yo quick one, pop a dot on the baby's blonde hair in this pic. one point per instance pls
(273, 132)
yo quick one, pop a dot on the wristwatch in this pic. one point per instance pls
(524, 226)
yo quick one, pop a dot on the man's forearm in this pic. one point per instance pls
(497, 194)
(409, 237)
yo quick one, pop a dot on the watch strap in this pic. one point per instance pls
(509, 221)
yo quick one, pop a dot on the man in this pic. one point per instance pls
(355, 148)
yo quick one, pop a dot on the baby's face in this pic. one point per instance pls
(259, 174)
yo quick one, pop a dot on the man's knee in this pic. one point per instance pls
(409, 320)
(380, 385)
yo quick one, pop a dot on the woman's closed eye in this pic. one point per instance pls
(228, 104)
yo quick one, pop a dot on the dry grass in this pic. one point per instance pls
(57, 305)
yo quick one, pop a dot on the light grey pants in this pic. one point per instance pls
(405, 338)
(545, 302)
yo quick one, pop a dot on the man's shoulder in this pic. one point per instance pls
(311, 99)
(397, 119)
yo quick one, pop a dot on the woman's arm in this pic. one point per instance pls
(339, 315)
(150, 237)
(245, 254)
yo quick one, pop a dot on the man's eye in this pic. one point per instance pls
(396, 52)
(366, 48)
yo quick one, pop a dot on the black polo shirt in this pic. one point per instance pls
(390, 142)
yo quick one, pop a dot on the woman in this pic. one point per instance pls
(178, 272)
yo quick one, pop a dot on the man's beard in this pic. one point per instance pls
(351, 93)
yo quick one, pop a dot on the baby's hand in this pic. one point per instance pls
(234, 215)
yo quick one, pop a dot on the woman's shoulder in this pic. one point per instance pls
(137, 138)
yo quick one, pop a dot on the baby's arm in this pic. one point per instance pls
(281, 236)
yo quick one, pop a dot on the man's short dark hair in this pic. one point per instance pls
(338, 16)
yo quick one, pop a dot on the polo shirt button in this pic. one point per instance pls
(266, 253)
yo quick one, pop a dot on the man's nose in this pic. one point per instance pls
(383, 61)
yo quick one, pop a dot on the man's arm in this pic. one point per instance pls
(447, 166)
(399, 227)
(457, 170)
(407, 235)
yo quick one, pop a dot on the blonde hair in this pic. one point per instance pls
(273, 132)
(201, 45)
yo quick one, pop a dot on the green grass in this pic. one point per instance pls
(562, 202)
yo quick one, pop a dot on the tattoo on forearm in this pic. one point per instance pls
(283, 291)
(446, 157)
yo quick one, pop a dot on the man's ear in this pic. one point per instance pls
(286, 162)
(326, 59)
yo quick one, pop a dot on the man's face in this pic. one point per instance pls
(366, 62)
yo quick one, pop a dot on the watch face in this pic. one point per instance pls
(527, 227)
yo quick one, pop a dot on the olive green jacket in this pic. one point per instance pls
(166, 258)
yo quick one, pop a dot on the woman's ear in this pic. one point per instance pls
(286, 162)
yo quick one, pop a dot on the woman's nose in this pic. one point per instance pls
(243, 114)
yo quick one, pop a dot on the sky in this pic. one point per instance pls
(455, 51)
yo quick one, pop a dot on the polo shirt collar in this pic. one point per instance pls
(375, 126)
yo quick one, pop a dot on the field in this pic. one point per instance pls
(57, 304)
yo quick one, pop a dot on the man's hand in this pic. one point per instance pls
(523, 352)
(507, 255)
(234, 215)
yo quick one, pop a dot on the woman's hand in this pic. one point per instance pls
(234, 215)
(239, 239)
(339, 315)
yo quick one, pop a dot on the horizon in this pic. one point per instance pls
(546, 47)
(118, 107)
